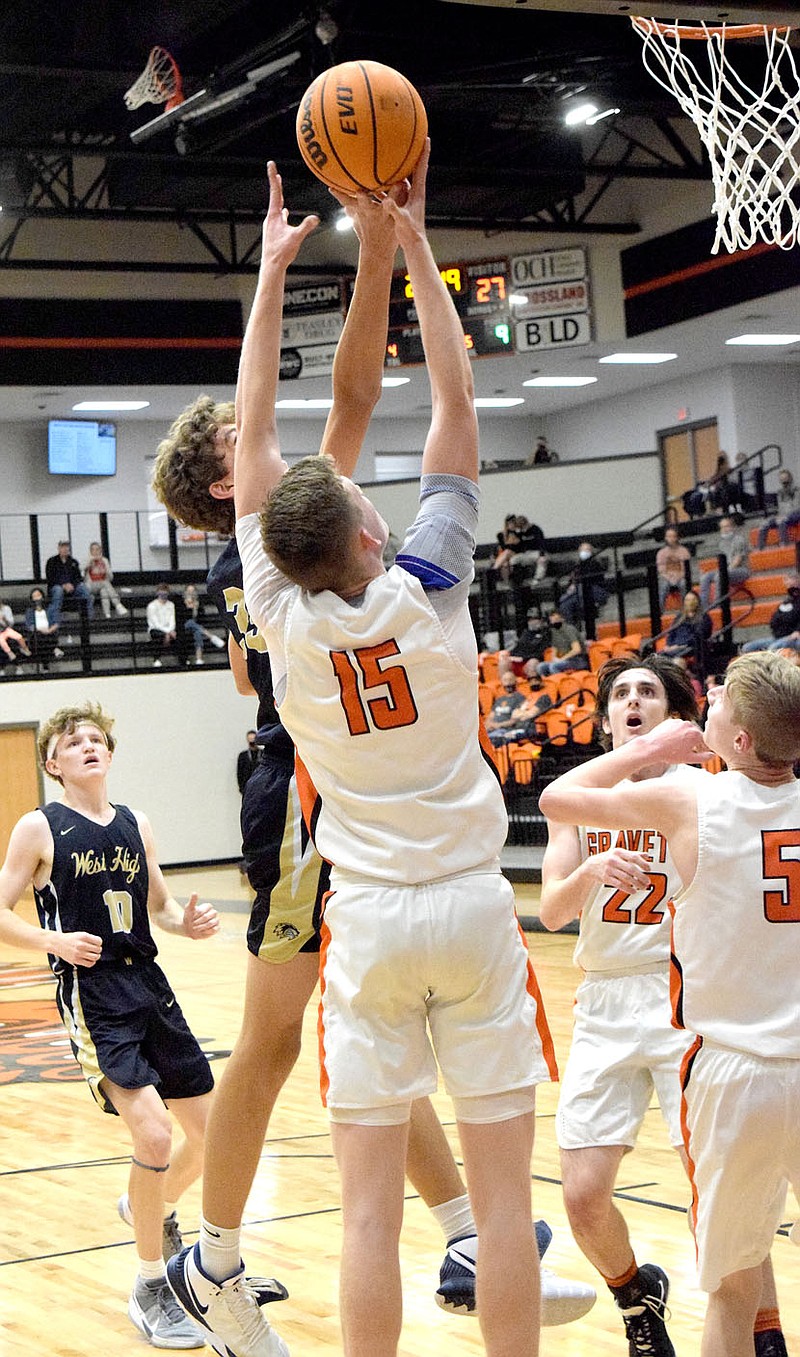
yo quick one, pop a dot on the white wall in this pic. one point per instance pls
(178, 737)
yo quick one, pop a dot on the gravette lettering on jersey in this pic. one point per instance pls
(645, 841)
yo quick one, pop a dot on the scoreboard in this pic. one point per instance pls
(481, 294)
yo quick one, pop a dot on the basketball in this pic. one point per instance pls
(361, 127)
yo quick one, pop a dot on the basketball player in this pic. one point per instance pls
(413, 891)
(96, 879)
(734, 840)
(194, 478)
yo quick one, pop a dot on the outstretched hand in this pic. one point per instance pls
(409, 216)
(374, 228)
(280, 241)
(674, 741)
(200, 921)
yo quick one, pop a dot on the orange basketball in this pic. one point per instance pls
(361, 127)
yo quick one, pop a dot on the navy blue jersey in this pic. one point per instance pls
(225, 588)
(99, 883)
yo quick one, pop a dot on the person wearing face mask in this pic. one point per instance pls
(784, 623)
(162, 625)
(787, 510)
(569, 648)
(528, 649)
(586, 578)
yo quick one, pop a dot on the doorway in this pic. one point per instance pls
(688, 455)
(21, 785)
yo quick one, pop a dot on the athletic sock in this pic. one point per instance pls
(455, 1218)
(220, 1255)
(152, 1272)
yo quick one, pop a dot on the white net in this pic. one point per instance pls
(752, 135)
(159, 83)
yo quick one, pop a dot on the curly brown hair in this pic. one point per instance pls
(680, 695)
(188, 462)
(67, 719)
(306, 521)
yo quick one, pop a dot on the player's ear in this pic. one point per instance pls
(221, 489)
(605, 726)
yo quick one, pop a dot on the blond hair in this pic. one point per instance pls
(188, 463)
(306, 523)
(64, 722)
(764, 693)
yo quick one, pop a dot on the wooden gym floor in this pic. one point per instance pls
(67, 1261)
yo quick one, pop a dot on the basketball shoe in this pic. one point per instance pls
(171, 1239)
(644, 1315)
(156, 1313)
(562, 1300)
(227, 1312)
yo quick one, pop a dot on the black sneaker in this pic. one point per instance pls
(770, 1343)
(644, 1319)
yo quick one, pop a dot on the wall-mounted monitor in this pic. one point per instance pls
(81, 447)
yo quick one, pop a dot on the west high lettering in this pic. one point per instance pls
(346, 110)
(88, 864)
(313, 148)
(126, 862)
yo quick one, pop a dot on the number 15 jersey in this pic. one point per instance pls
(631, 932)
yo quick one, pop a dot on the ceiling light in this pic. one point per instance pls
(777, 340)
(634, 358)
(304, 404)
(598, 117)
(343, 222)
(111, 405)
(394, 381)
(497, 402)
(581, 113)
(559, 381)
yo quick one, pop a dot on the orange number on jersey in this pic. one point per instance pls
(397, 708)
(614, 911)
(781, 906)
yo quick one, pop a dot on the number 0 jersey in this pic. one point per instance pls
(736, 933)
(98, 883)
(622, 932)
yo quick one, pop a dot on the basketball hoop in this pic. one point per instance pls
(159, 83)
(752, 136)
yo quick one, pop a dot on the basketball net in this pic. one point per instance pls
(752, 136)
(159, 83)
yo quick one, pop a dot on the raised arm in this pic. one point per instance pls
(452, 442)
(259, 464)
(361, 350)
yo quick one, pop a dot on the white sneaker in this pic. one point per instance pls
(58, 653)
(156, 1313)
(217, 641)
(564, 1300)
(121, 612)
(228, 1311)
(156, 664)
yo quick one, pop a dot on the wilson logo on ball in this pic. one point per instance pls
(361, 127)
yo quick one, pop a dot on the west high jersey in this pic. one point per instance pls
(622, 932)
(98, 884)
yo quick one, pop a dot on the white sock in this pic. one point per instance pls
(455, 1218)
(220, 1255)
(152, 1272)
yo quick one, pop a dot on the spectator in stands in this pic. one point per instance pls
(97, 576)
(732, 544)
(162, 625)
(528, 648)
(723, 491)
(503, 722)
(13, 645)
(670, 561)
(531, 548)
(747, 494)
(541, 455)
(787, 510)
(193, 624)
(567, 643)
(688, 637)
(586, 577)
(784, 623)
(64, 581)
(42, 633)
(507, 544)
(246, 761)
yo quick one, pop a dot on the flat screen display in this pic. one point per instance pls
(81, 447)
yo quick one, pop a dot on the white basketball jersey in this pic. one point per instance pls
(629, 932)
(736, 933)
(383, 708)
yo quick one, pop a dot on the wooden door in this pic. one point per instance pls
(688, 455)
(20, 783)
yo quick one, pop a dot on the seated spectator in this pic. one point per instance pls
(528, 649)
(531, 547)
(162, 626)
(541, 455)
(787, 510)
(97, 576)
(503, 721)
(64, 581)
(696, 501)
(784, 623)
(689, 635)
(42, 634)
(567, 643)
(732, 544)
(13, 645)
(535, 706)
(723, 491)
(193, 623)
(586, 577)
(670, 560)
(507, 544)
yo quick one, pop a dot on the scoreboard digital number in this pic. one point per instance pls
(480, 293)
